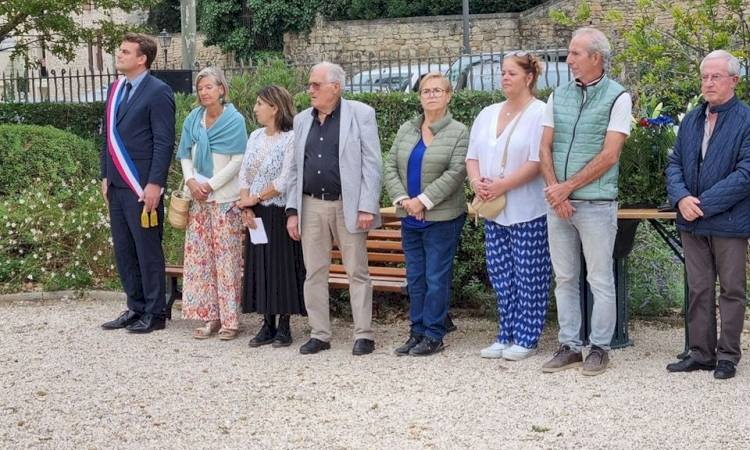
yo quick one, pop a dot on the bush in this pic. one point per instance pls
(30, 152)
(82, 119)
(56, 234)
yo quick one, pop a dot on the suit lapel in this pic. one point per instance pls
(344, 124)
(123, 111)
(306, 124)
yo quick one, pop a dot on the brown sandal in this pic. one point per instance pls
(209, 328)
(227, 334)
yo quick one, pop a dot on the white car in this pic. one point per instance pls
(482, 71)
(391, 79)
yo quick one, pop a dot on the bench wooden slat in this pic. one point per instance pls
(376, 257)
(386, 271)
(391, 235)
(384, 285)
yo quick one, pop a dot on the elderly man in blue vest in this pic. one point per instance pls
(586, 123)
(708, 180)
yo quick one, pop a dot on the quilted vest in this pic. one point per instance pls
(580, 128)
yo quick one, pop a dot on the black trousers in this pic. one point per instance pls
(138, 252)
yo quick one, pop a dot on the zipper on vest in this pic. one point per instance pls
(584, 99)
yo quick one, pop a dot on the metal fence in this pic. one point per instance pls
(398, 72)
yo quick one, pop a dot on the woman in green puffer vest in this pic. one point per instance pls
(424, 175)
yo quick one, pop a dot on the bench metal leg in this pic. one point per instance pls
(173, 294)
(674, 243)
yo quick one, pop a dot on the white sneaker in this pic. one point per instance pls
(494, 351)
(517, 353)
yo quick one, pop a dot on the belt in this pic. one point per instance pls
(325, 196)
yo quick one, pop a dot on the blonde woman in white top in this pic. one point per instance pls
(518, 261)
(210, 153)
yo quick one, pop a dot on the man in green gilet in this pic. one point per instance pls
(586, 123)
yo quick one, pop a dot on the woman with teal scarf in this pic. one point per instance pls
(210, 152)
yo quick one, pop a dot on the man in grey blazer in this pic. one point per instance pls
(334, 193)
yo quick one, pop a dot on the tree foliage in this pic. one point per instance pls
(248, 28)
(661, 62)
(164, 15)
(53, 23)
(380, 9)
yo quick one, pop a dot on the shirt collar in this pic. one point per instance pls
(579, 83)
(333, 113)
(723, 107)
(137, 80)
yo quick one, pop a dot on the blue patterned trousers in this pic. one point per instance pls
(520, 271)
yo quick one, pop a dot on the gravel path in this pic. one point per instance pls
(65, 383)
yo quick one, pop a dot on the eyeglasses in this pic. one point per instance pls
(714, 77)
(519, 54)
(434, 92)
(314, 86)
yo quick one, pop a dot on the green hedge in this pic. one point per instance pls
(82, 119)
(30, 153)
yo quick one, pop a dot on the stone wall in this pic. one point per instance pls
(435, 36)
(442, 36)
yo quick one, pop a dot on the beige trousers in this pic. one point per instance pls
(323, 221)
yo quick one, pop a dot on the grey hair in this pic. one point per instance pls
(599, 42)
(335, 72)
(219, 78)
(733, 64)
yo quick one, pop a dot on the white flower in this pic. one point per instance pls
(30, 277)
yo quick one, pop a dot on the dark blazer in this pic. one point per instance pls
(147, 128)
(721, 181)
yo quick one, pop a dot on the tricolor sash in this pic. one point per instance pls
(115, 146)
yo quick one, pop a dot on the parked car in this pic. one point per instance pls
(482, 71)
(391, 79)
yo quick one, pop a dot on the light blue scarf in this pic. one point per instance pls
(227, 136)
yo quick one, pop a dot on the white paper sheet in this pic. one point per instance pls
(258, 235)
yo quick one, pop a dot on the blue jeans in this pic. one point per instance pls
(592, 228)
(429, 256)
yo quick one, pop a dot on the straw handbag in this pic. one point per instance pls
(179, 206)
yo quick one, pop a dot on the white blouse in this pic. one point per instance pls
(525, 202)
(276, 155)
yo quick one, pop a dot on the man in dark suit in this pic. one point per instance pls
(137, 151)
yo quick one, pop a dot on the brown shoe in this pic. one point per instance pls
(563, 359)
(596, 361)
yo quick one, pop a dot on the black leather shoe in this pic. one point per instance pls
(427, 346)
(450, 327)
(408, 345)
(689, 365)
(126, 318)
(146, 324)
(265, 336)
(725, 370)
(363, 347)
(314, 346)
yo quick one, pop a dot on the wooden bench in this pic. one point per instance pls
(384, 252)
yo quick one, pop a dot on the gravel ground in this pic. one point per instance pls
(65, 383)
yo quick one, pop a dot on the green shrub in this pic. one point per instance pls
(655, 282)
(82, 119)
(30, 152)
(56, 234)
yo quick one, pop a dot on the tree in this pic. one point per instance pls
(660, 62)
(164, 15)
(250, 27)
(52, 23)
